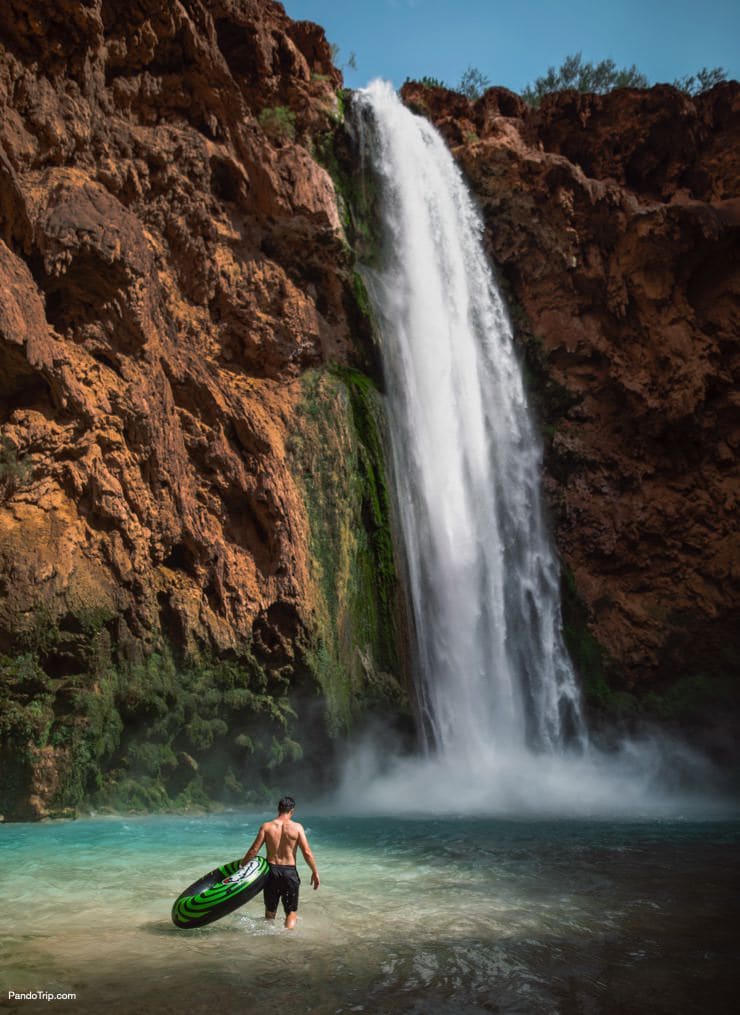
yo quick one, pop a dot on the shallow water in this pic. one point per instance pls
(426, 915)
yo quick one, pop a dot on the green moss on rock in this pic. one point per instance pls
(605, 699)
(337, 457)
(356, 190)
(148, 735)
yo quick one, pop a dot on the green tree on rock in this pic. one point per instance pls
(702, 81)
(584, 76)
(600, 78)
(336, 53)
(473, 83)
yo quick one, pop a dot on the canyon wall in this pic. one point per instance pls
(198, 587)
(614, 222)
(199, 591)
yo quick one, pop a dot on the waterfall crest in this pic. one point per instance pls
(483, 578)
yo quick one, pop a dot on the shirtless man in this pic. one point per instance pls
(282, 835)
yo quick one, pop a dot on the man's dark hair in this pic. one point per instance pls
(286, 805)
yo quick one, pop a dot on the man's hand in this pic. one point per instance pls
(315, 880)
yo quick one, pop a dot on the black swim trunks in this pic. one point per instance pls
(282, 884)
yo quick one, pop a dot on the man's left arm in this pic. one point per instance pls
(308, 857)
(255, 847)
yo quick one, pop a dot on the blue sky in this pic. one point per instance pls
(514, 42)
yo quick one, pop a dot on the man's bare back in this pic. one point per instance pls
(282, 836)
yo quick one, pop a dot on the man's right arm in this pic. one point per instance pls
(255, 847)
(309, 858)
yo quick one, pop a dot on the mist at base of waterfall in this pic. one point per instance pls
(655, 776)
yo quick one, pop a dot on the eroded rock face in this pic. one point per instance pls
(172, 270)
(171, 263)
(614, 222)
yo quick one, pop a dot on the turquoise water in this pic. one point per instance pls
(420, 916)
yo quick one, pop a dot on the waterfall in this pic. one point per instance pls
(494, 674)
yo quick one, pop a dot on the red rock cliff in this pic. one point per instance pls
(171, 264)
(193, 518)
(614, 223)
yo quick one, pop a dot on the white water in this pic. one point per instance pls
(482, 574)
(499, 700)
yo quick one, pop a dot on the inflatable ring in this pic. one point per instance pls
(219, 893)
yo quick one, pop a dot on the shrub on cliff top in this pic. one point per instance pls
(584, 76)
(702, 81)
(429, 82)
(600, 78)
(473, 83)
(336, 52)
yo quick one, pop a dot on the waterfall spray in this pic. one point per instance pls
(484, 582)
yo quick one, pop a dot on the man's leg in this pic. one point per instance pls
(271, 897)
(290, 899)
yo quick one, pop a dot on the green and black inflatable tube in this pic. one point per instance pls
(220, 892)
